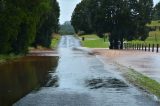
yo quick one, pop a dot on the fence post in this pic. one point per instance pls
(136, 46)
(145, 47)
(157, 48)
(142, 47)
(130, 45)
(83, 38)
(153, 48)
(139, 46)
(126, 46)
(149, 47)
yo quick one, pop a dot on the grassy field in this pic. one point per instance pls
(154, 23)
(93, 41)
(154, 36)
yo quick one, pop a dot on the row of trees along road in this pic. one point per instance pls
(156, 12)
(27, 22)
(122, 19)
(66, 29)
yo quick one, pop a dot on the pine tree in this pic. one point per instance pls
(156, 12)
(123, 19)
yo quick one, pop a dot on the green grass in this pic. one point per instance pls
(55, 41)
(93, 41)
(5, 58)
(154, 23)
(141, 81)
(93, 36)
(154, 38)
(144, 82)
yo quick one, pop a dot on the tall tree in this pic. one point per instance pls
(123, 19)
(81, 17)
(49, 23)
(156, 12)
(20, 20)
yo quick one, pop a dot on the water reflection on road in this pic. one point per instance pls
(83, 80)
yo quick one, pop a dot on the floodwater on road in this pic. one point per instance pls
(20, 77)
(148, 65)
(81, 79)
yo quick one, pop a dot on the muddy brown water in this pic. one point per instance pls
(18, 78)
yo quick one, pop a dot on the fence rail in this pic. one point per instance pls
(142, 47)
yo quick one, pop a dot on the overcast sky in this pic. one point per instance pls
(67, 7)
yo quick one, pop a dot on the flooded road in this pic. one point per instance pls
(147, 64)
(20, 77)
(83, 80)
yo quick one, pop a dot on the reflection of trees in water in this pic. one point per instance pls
(20, 77)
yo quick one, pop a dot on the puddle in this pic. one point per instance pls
(105, 83)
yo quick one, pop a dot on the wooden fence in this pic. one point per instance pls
(142, 47)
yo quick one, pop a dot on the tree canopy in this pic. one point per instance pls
(122, 19)
(21, 23)
(156, 12)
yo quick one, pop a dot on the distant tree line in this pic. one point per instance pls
(66, 29)
(25, 23)
(156, 12)
(122, 19)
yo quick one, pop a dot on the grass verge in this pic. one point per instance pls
(141, 81)
(55, 41)
(5, 58)
(93, 41)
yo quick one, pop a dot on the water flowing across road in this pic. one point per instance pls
(82, 79)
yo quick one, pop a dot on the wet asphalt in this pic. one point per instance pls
(147, 64)
(82, 79)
